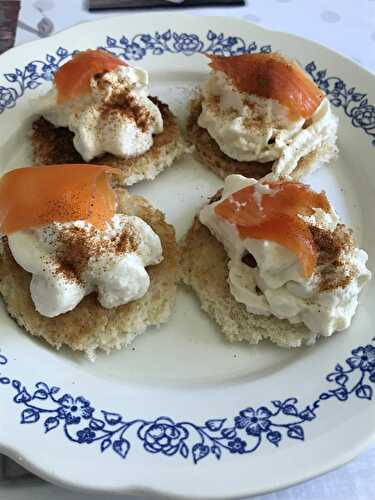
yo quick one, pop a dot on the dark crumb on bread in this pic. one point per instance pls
(54, 145)
(216, 196)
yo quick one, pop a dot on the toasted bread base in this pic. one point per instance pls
(54, 145)
(90, 326)
(204, 267)
(210, 154)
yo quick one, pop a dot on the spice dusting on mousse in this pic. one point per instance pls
(104, 102)
(67, 234)
(272, 212)
(72, 79)
(332, 247)
(127, 106)
(288, 254)
(262, 116)
(75, 246)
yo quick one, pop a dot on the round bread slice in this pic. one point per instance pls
(210, 154)
(204, 267)
(90, 326)
(53, 145)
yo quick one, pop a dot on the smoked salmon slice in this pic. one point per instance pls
(73, 78)
(274, 77)
(289, 231)
(248, 206)
(35, 196)
(274, 215)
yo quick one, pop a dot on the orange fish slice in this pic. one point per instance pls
(36, 196)
(247, 207)
(272, 76)
(274, 216)
(73, 78)
(289, 231)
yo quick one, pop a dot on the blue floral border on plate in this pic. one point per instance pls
(244, 433)
(354, 104)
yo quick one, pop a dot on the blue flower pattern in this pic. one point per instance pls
(364, 358)
(242, 434)
(30, 77)
(237, 446)
(162, 436)
(86, 435)
(7, 98)
(254, 421)
(187, 44)
(74, 409)
(355, 104)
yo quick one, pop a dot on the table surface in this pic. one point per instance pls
(347, 26)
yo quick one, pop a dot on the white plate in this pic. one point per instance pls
(161, 417)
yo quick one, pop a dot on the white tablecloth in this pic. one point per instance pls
(348, 26)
